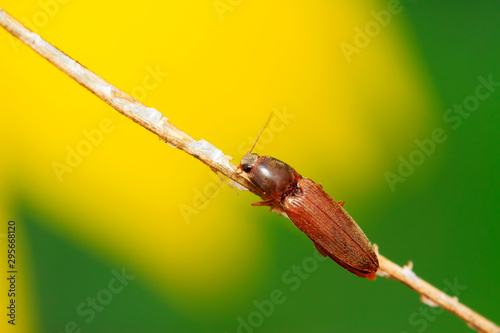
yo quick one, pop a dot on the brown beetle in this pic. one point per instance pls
(333, 232)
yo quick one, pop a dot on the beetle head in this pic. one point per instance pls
(248, 162)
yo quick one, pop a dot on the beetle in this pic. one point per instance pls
(334, 233)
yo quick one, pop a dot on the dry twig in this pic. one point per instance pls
(154, 121)
(430, 295)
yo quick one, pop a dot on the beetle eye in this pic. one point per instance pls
(246, 167)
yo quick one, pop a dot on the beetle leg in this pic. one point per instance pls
(264, 203)
(341, 203)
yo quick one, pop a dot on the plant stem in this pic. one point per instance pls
(154, 121)
(428, 292)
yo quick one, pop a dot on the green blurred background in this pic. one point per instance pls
(356, 106)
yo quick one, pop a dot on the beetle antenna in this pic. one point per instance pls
(258, 137)
(223, 181)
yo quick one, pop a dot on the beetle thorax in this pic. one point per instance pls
(273, 177)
